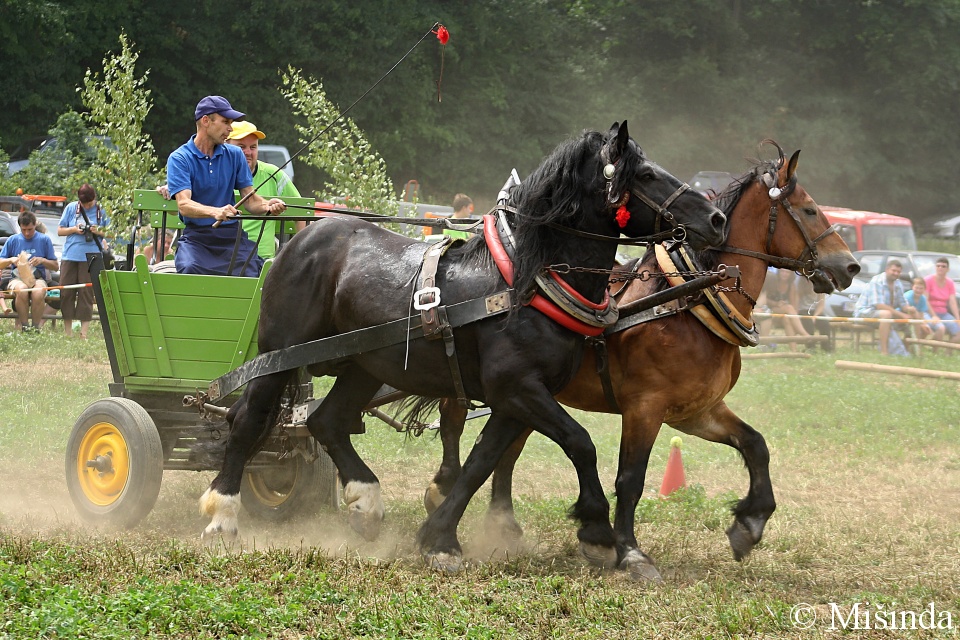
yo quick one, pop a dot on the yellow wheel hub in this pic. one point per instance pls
(272, 487)
(103, 464)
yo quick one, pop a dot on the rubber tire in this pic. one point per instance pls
(122, 429)
(294, 487)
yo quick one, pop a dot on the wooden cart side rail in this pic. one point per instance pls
(180, 328)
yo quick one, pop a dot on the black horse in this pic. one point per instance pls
(341, 274)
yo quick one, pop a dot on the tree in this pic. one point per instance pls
(338, 147)
(119, 104)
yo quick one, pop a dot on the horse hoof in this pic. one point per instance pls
(432, 498)
(741, 541)
(640, 567)
(598, 556)
(365, 508)
(445, 562)
(215, 533)
(366, 524)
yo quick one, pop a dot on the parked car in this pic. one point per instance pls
(276, 155)
(20, 158)
(947, 228)
(8, 227)
(710, 183)
(916, 264)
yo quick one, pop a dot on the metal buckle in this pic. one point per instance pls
(423, 306)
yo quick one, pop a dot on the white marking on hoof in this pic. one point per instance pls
(432, 498)
(364, 507)
(640, 567)
(446, 562)
(223, 510)
(603, 557)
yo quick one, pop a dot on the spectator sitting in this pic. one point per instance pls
(917, 298)
(781, 296)
(884, 300)
(942, 295)
(6, 275)
(167, 244)
(28, 253)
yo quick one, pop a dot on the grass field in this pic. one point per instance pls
(866, 470)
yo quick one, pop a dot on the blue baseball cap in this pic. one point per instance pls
(217, 104)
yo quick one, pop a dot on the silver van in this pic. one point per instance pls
(276, 154)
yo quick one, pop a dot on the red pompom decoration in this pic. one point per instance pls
(442, 34)
(623, 216)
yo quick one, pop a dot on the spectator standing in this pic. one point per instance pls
(942, 294)
(38, 254)
(81, 240)
(269, 182)
(202, 175)
(462, 208)
(917, 298)
(884, 299)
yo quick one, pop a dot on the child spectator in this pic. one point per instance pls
(917, 299)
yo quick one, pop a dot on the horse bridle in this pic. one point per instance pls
(615, 200)
(802, 264)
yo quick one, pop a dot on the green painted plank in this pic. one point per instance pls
(189, 285)
(205, 371)
(189, 328)
(188, 307)
(115, 316)
(242, 351)
(153, 318)
(190, 349)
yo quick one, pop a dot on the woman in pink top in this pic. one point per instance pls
(943, 298)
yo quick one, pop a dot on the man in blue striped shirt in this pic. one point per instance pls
(884, 299)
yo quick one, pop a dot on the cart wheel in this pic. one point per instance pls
(291, 487)
(114, 463)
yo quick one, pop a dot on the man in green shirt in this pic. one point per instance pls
(462, 208)
(246, 136)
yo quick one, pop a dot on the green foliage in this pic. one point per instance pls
(119, 103)
(338, 147)
(58, 171)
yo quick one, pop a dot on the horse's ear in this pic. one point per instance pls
(623, 139)
(792, 165)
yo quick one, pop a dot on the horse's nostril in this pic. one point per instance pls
(718, 220)
(854, 269)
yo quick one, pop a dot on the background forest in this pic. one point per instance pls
(867, 88)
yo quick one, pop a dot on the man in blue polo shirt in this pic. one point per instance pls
(202, 175)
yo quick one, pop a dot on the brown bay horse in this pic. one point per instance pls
(675, 371)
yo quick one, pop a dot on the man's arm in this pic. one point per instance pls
(256, 205)
(190, 208)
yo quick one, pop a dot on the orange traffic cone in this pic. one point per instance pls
(673, 477)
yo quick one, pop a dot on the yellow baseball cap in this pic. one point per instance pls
(245, 128)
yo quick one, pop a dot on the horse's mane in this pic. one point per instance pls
(556, 193)
(727, 202)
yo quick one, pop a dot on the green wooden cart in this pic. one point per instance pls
(168, 335)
